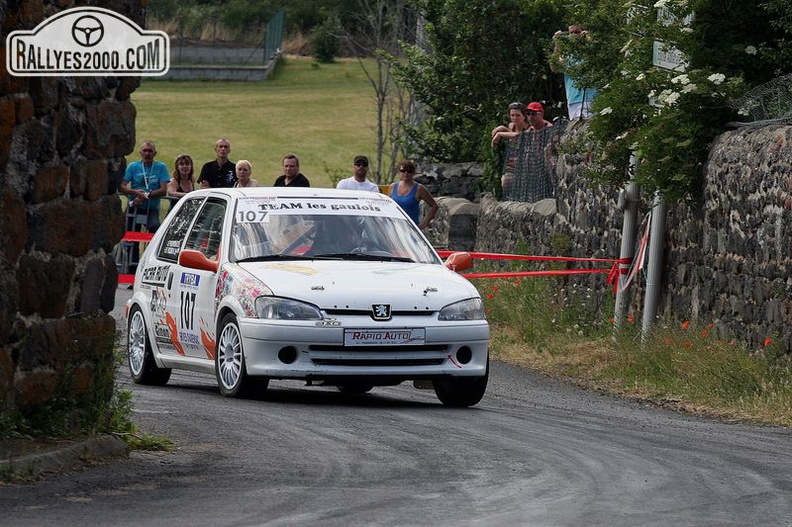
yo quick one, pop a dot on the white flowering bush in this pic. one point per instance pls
(666, 73)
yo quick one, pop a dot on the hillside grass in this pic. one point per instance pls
(325, 114)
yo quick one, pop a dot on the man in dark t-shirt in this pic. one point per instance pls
(292, 177)
(221, 172)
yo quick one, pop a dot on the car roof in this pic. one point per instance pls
(315, 192)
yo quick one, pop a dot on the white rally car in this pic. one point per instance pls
(332, 287)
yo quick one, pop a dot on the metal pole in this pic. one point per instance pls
(629, 199)
(655, 265)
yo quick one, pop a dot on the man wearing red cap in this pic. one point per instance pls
(536, 120)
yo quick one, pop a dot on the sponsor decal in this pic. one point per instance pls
(190, 279)
(87, 42)
(156, 275)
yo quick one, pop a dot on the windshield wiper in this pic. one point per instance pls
(273, 257)
(380, 257)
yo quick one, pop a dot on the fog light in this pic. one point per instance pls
(464, 355)
(287, 355)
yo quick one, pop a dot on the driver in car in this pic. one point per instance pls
(335, 234)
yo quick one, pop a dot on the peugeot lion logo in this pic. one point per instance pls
(87, 31)
(380, 311)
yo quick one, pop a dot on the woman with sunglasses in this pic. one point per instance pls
(181, 181)
(409, 194)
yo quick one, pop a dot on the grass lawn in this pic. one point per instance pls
(324, 114)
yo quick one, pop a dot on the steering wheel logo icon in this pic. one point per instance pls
(88, 31)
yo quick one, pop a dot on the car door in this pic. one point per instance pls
(191, 298)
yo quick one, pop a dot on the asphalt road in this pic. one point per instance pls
(533, 452)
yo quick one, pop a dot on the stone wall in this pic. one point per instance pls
(62, 147)
(727, 263)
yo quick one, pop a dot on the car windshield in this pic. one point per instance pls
(348, 228)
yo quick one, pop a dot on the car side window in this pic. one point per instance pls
(206, 233)
(177, 230)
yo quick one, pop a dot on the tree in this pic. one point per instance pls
(380, 27)
(480, 55)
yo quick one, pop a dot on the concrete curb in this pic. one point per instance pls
(75, 454)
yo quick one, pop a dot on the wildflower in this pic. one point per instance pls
(672, 98)
(716, 78)
(751, 50)
(660, 3)
(704, 333)
(611, 320)
(768, 341)
(710, 325)
(640, 77)
(685, 324)
(687, 344)
(681, 79)
(630, 319)
(517, 282)
(495, 289)
(606, 111)
(490, 296)
(689, 88)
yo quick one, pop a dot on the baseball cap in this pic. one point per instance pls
(361, 160)
(535, 107)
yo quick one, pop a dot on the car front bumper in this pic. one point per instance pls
(306, 351)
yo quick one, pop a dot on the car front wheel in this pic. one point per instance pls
(142, 367)
(230, 366)
(462, 391)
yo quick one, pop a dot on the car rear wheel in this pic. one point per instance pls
(230, 365)
(142, 367)
(462, 391)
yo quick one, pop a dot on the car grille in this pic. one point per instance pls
(378, 362)
(367, 313)
(416, 355)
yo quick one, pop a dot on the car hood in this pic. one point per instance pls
(356, 285)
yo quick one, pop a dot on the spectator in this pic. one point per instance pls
(221, 172)
(181, 181)
(358, 181)
(536, 120)
(518, 122)
(144, 183)
(292, 177)
(578, 98)
(243, 171)
(409, 194)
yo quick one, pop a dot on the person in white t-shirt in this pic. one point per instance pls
(358, 181)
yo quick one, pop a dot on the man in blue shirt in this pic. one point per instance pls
(144, 183)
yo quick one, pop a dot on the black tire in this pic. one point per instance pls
(355, 389)
(142, 367)
(230, 368)
(462, 392)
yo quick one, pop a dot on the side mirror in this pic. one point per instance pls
(459, 261)
(197, 260)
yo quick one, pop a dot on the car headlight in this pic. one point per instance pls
(273, 308)
(470, 309)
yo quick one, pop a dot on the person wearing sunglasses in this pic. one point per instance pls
(358, 181)
(409, 194)
(536, 120)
